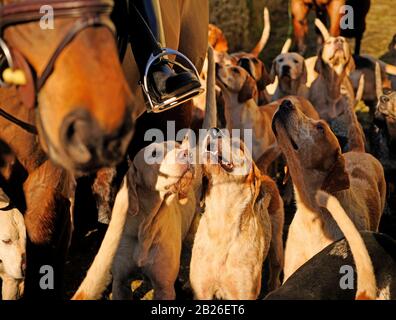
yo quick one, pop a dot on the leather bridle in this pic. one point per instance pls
(89, 13)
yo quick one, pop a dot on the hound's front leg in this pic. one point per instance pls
(11, 288)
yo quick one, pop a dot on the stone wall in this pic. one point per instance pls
(242, 21)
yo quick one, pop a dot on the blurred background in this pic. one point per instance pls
(242, 23)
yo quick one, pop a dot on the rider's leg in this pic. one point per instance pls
(147, 37)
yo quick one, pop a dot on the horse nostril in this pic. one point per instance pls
(89, 146)
(78, 133)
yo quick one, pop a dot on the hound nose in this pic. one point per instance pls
(286, 70)
(286, 105)
(183, 156)
(339, 43)
(285, 108)
(215, 133)
(86, 143)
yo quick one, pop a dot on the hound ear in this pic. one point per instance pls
(248, 90)
(264, 80)
(319, 65)
(4, 200)
(304, 74)
(337, 179)
(132, 190)
(350, 67)
(261, 196)
(272, 74)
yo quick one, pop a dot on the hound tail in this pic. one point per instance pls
(366, 283)
(378, 80)
(210, 120)
(98, 275)
(286, 45)
(322, 28)
(265, 34)
(390, 69)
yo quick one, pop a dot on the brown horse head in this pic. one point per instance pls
(84, 109)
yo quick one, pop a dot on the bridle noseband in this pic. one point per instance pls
(89, 13)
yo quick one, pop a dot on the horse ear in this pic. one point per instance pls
(132, 190)
(248, 90)
(337, 178)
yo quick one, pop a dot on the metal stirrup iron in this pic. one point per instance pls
(152, 104)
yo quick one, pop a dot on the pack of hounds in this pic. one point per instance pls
(310, 152)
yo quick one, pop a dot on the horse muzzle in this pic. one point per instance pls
(88, 146)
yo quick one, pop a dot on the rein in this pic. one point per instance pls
(89, 13)
(22, 124)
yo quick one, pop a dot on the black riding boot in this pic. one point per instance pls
(146, 35)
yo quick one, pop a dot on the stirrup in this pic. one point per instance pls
(151, 104)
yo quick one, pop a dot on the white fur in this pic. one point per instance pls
(12, 249)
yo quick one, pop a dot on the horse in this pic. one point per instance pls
(300, 10)
(80, 119)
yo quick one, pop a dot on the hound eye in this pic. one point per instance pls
(320, 128)
(8, 241)
(280, 60)
(295, 61)
(154, 153)
(235, 70)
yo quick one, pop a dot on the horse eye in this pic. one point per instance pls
(8, 241)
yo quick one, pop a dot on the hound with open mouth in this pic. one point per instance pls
(241, 224)
(162, 204)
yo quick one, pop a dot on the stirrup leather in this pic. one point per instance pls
(151, 103)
